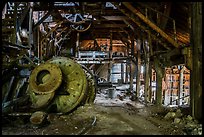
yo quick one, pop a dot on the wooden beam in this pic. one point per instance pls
(115, 18)
(144, 19)
(109, 26)
(142, 26)
(42, 19)
(148, 22)
(23, 15)
(163, 18)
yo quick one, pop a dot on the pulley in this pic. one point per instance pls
(43, 82)
(60, 85)
(74, 84)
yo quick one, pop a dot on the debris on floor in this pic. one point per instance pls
(107, 116)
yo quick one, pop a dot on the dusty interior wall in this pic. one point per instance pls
(171, 86)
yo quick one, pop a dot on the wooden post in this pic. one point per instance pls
(38, 44)
(14, 38)
(30, 27)
(131, 76)
(127, 64)
(110, 57)
(77, 45)
(138, 73)
(126, 72)
(146, 86)
(150, 66)
(122, 73)
(132, 46)
(171, 86)
(180, 85)
(196, 72)
(150, 85)
(159, 75)
(131, 64)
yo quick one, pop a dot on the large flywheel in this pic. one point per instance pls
(71, 88)
(92, 85)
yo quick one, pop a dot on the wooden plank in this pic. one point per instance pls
(151, 24)
(143, 27)
(42, 19)
(148, 22)
(109, 26)
(115, 18)
(196, 71)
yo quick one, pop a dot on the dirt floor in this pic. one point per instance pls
(106, 116)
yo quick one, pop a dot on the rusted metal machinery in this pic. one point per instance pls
(61, 85)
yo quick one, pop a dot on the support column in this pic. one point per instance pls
(30, 27)
(110, 57)
(38, 44)
(150, 85)
(171, 85)
(126, 72)
(150, 66)
(14, 37)
(127, 64)
(122, 73)
(196, 72)
(146, 86)
(131, 76)
(131, 63)
(77, 45)
(138, 73)
(180, 85)
(159, 75)
(132, 46)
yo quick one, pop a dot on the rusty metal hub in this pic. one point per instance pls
(45, 78)
(43, 82)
